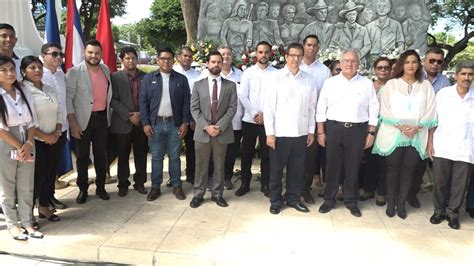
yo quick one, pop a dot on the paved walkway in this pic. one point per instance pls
(168, 232)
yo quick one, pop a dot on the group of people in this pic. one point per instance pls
(310, 120)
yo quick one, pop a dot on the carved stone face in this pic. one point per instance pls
(351, 16)
(383, 8)
(242, 11)
(274, 11)
(400, 11)
(415, 12)
(321, 14)
(301, 7)
(290, 14)
(226, 10)
(212, 12)
(262, 12)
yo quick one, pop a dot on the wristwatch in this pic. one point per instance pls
(371, 133)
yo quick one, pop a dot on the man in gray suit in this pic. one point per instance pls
(126, 127)
(88, 97)
(213, 106)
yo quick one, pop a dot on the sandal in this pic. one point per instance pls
(46, 213)
(18, 234)
(33, 233)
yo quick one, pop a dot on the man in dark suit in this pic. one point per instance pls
(213, 106)
(125, 126)
(165, 116)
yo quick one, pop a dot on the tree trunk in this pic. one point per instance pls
(190, 10)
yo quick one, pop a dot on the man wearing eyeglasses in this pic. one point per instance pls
(165, 116)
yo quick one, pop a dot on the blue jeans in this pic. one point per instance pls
(165, 139)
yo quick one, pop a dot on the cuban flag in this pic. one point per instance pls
(74, 39)
(52, 25)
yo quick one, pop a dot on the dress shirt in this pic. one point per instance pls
(211, 86)
(191, 74)
(58, 82)
(251, 90)
(46, 102)
(439, 82)
(18, 113)
(290, 104)
(100, 85)
(319, 71)
(344, 100)
(165, 108)
(454, 137)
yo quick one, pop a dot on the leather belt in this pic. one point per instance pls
(347, 124)
(164, 118)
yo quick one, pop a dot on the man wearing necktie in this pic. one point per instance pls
(213, 106)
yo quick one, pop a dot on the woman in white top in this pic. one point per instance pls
(47, 136)
(17, 128)
(407, 111)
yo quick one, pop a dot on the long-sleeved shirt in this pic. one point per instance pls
(191, 74)
(439, 82)
(319, 71)
(344, 100)
(290, 104)
(251, 91)
(58, 82)
(18, 113)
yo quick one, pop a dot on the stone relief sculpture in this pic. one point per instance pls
(351, 34)
(237, 30)
(289, 30)
(319, 26)
(372, 27)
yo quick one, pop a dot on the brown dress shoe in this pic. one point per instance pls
(154, 194)
(307, 197)
(179, 193)
(140, 188)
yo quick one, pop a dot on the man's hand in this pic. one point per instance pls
(271, 141)
(322, 139)
(183, 129)
(50, 138)
(258, 118)
(76, 131)
(369, 141)
(309, 140)
(148, 130)
(134, 118)
(213, 130)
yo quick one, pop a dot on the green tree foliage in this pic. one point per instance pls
(165, 26)
(449, 39)
(458, 13)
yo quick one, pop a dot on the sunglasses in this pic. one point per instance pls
(56, 54)
(438, 61)
(383, 68)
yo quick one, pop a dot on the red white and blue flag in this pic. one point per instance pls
(74, 39)
(52, 25)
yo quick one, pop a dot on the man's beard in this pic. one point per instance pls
(215, 70)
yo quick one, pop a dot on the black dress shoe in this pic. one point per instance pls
(470, 211)
(275, 209)
(366, 196)
(390, 209)
(140, 188)
(82, 197)
(243, 189)
(220, 201)
(196, 202)
(122, 192)
(265, 190)
(102, 194)
(297, 206)
(402, 213)
(454, 223)
(355, 211)
(437, 218)
(414, 202)
(325, 208)
(58, 204)
(154, 194)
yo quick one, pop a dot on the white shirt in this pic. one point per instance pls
(18, 113)
(290, 104)
(58, 82)
(46, 103)
(251, 91)
(234, 75)
(454, 136)
(319, 71)
(191, 74)
(344, 100)
(211, 86)
(165, 108)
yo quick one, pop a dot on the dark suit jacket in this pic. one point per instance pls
(226, 108)
(122, 102)
(150, 98)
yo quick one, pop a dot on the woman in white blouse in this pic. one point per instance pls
(17, 128)
(407, 111)
(48, 141)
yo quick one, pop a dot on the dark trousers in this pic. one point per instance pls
(96, 132)
(313, 164)
(445, 170)
(470, 193)
(139, 141)
(250, 132)
(46, 164)
(418, 178)
(344, 147)
(190, 155)
(289, 153)
(401, 167)
(373, 174)
(231, 155)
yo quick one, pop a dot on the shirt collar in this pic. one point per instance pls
(287, 72)
(425, 76)
(352, 79)
(210, 78)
